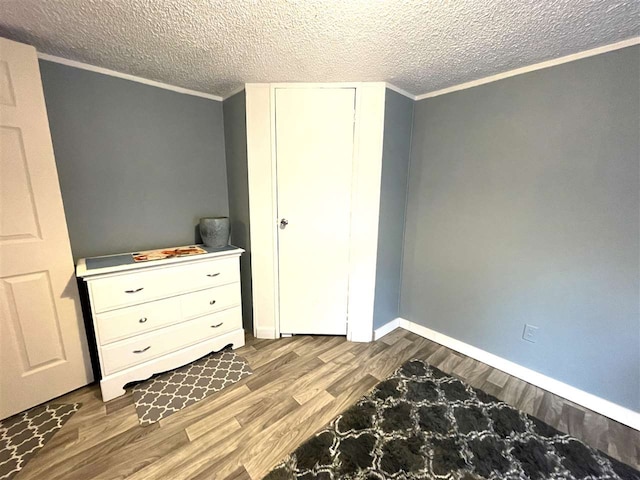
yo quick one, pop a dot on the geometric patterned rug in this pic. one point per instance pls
(22, 435)
(172, 391)
(421, 423)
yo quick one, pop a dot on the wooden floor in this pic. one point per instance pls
(299, 385)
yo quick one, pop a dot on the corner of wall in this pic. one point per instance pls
(406, 205)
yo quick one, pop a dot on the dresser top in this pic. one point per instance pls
(88, 267)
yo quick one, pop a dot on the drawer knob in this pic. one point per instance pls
(143, 350)
(218, 325)
(213, 274)
(143, 320)
(212, 302)
(134, 291)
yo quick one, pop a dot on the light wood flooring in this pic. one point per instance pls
(299, 385)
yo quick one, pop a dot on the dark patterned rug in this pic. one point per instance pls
(172, 391)
(22, 435)
(422, 423)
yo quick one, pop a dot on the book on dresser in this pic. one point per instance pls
(155, 316)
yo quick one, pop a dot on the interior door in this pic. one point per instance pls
(314, 155)
(43, 349)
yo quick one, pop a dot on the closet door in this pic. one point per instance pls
(314, 155)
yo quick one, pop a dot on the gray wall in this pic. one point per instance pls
(398, 116)
(235, 134)
(138, 165)
(524, 208)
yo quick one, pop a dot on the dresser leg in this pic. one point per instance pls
(237, 339)
(111, 389)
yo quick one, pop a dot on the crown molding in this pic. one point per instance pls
(391, 86)
(126, 76)
(531, 68)
(463, 86)
(233, 92)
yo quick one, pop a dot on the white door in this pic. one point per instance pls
(43, 350)
(314, 156)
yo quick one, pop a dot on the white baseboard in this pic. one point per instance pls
(264, 333)
(386, 328)
(573, 394)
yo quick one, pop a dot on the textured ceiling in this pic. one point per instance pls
(216, 46)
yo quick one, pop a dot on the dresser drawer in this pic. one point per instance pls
(211, 300)
(135, 288)
(209, 274)
(133, 351)
(130, 321)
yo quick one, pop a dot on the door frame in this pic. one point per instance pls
(365, 204)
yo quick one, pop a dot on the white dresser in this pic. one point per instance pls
(155, 316)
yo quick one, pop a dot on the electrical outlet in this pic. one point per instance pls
(530, 333)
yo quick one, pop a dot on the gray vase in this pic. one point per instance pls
(215, 231)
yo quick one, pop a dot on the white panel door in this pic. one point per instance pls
(43, 351)
(314, 156)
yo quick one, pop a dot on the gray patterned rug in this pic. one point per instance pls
(170, 392)
(22, 435)
(422, 423)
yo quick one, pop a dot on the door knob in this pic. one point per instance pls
(283, 223)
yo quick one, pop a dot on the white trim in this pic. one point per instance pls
(587, 400)
(266, 332)
(530, 68)
(386, 328)
(365, 209)
(126, 76)
(391, 86)
(233, 92)
(261, 214)
(274, 210)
